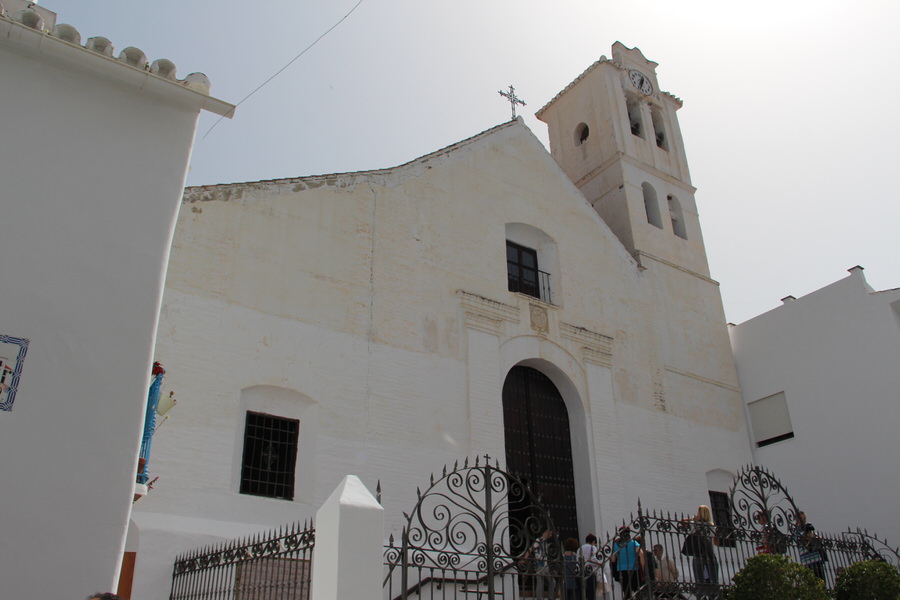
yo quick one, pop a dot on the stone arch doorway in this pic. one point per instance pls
(538, 444)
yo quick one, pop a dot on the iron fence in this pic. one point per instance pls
(276, 566)
(474, 534)
(668, 572)
(477, 532)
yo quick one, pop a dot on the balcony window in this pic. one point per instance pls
(523, 274)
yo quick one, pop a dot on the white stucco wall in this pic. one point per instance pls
(379, 301)
(834, 353)
(91, 170)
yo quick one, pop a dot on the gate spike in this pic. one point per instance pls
(406, 516)
(418, 493)
(444, 474)
(456, 465)
(478, 461)
(466, 464)
(391, 539)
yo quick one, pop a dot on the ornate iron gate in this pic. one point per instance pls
(473, 534)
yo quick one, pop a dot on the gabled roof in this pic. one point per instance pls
(372, 172)
(601, 60)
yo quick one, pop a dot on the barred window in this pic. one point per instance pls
(270, 456)
(721, 510)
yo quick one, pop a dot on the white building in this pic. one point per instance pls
(482, 299)
(821, 380)
(92, 166)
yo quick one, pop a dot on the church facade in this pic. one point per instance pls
(551, 310)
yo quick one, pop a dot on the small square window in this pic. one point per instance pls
(270, 456)
(770, 420)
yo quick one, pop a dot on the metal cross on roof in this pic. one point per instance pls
(513, 100)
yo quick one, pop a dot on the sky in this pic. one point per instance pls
(790, 119)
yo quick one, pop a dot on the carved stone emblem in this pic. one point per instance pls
(539, 321)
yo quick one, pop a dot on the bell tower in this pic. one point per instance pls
(616, 135)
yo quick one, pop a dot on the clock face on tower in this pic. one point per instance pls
(640, 81)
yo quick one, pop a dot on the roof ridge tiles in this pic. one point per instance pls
(28, 14)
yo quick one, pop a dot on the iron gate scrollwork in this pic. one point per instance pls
(763, 508)
(474, 528)
(756, 492)
(872, 547)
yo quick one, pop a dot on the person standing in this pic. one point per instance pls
(651, 567)
(587, 556)
(813, 554)
(542, 554)
(572, 571)
(668, 573)
(705, 565)
(628, 559)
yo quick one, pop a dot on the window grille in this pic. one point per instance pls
(270, 456)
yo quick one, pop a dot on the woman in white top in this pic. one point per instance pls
(593, 573)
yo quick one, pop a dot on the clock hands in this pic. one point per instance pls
(641, 82)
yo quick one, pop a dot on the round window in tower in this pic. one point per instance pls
(581, 133)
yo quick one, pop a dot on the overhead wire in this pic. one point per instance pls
(281, 70)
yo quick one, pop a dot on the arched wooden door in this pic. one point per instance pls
(538, 444)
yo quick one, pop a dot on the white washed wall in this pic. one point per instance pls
(364, 294)
(90, 175)
(834, 354)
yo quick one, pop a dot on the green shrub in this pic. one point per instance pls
(775, 577)
(868, 580)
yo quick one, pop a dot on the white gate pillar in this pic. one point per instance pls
(348, 563)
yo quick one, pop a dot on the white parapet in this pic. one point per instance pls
(349, 544)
